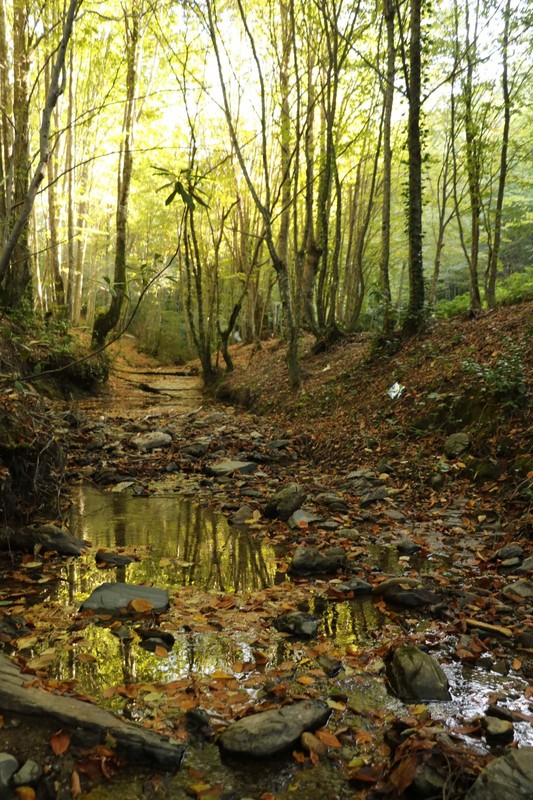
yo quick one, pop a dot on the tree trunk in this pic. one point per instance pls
(415, 310)
(388, 100)
(495, 251)
(106, 321)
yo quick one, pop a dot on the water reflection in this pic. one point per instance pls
(179, 543)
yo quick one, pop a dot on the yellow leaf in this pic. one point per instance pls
(218, 675)
(307, 680)
(25, 793)
(161, 651)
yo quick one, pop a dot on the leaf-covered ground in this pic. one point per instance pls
(468, 376)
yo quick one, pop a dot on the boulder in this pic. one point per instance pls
(456, 444)
(302, 518)
(509, 777)
(285, 502)
(270, 732)
(416, 677)
(115, 598)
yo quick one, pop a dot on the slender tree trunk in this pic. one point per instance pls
(15, 271)
(106, 321)
(495, 250)
(415, 310)
(388, 100)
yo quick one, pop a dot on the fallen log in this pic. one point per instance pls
(135, 744)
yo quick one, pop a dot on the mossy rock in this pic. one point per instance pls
(481, 470)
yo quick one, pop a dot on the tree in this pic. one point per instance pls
(15, 274)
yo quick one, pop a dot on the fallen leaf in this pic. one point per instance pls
(140, 605)
(25, 793)
(75, 785)
(60, 742)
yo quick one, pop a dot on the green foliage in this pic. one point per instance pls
(503, 378)
(517, 288)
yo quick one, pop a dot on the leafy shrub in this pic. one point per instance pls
(503, 378)
(517, 288)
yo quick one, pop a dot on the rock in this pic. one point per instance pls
(498, 731)
(278, 444)
(270, 732)
(195, 450)
(509, 777)
(297, 623)
(114, 559)
(285, 502)
(331, 666)
(372, 497)
(240, 517)
(509, 551)
(527, 565)
(310, 561)
(29, 774)
(407, 547)
(428, 782)
(521, 589)
(355, 586)
(149, 441)
(525, 639)
(332, 501)
(393, 513)
(46, 537)
(411, 598)
(115, 598)
(302, 518)
(8, 766)
(456, 444)
(416, 677)
(226, 467)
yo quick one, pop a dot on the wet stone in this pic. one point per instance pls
(522, 589)
(243, 515)
(498, 731)
(270, 732)
(411, 598)
(416, 676)
(115, 598)
(113, 559)
(509, 777)
(356, 586)
(310, 561)
(298, 624)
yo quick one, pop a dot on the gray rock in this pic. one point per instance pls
(270, 732)
(372, 497)
(522, 588)
(456, 444)
(29, 774)
(243, 515)
(310, 561)
(509, 777)
(286, 501)
(428, 782)
(8, 766)
(298, 623)
(411, 598)
(226, 467)
(115, 598)
(527, 565)
(332, 501)
(356, 586)
(407, 547)
(195, 450)
(303, 518)
(416, 677)
(509, 551)
(149, 441)
(116, 559)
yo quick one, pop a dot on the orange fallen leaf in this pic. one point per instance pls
(306, 680)
(75, 785)
(140, 605)
(60, 742)
(86, 658)
(328, 738)
(25, 793)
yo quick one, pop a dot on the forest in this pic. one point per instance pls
(209, 172)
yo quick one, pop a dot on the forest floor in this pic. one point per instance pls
(420, 520)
